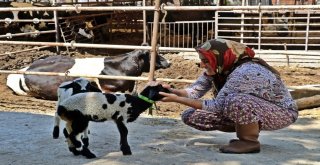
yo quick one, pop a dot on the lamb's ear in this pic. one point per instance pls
(155, 93)
(162, 89)
(94, 87)
(69, 85)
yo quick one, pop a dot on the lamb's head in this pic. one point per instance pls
(152, 92)
(80, 85)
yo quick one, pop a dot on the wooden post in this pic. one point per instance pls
(154, 40)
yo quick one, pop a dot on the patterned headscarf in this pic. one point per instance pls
(223, 54)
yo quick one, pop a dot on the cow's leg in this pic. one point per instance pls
(56, 130)
(124, 146)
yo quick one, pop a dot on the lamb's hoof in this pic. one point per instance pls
(85, 142)
(77, 144)
(55, 132)
(74, 151)
(87, 153)
(74, 141)
(126, 150)
(65, 133)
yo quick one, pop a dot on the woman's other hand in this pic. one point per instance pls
(168, 97)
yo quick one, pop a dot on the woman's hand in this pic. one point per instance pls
(176, 92)
(169, 97)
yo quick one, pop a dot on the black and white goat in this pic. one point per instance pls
(69, 88)
(81, 108)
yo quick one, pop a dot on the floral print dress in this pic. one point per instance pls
(251, 93)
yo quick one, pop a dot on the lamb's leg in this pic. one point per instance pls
(124, 146)
(87, 153)
(85, 139)
(75, 134)
(71, 147)
(79, 126)
(55, 132)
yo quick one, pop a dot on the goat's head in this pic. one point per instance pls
(152, 92)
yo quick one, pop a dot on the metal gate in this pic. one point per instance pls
(276, 30)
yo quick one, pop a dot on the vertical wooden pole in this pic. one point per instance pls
(154, 40)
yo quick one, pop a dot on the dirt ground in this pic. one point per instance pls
(25, 134)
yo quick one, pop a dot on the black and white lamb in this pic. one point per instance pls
(81, 108)
(69, 88)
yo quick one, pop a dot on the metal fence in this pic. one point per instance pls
(184, 34)
(293, 29)
(274, 29)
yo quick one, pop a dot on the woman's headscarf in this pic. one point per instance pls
(223, 54)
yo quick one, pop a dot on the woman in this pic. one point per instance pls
(250, 96)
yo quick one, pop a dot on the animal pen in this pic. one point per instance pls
(281, 34)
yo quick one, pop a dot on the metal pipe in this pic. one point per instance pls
(242, 23)
(144, 22)
(307, 31)
(148, 47)
(92, 76)
(9, 35)
(260, 28)
(79, 8)
(56, 27)
(168, 8)
(216, 21)
(73, 44)
(24, 50)
(35, 21)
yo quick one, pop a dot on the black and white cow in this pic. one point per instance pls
(133, 63)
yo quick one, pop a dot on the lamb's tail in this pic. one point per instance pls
(61, 110)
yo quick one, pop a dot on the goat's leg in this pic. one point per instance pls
(124, 146)
(56, 130)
